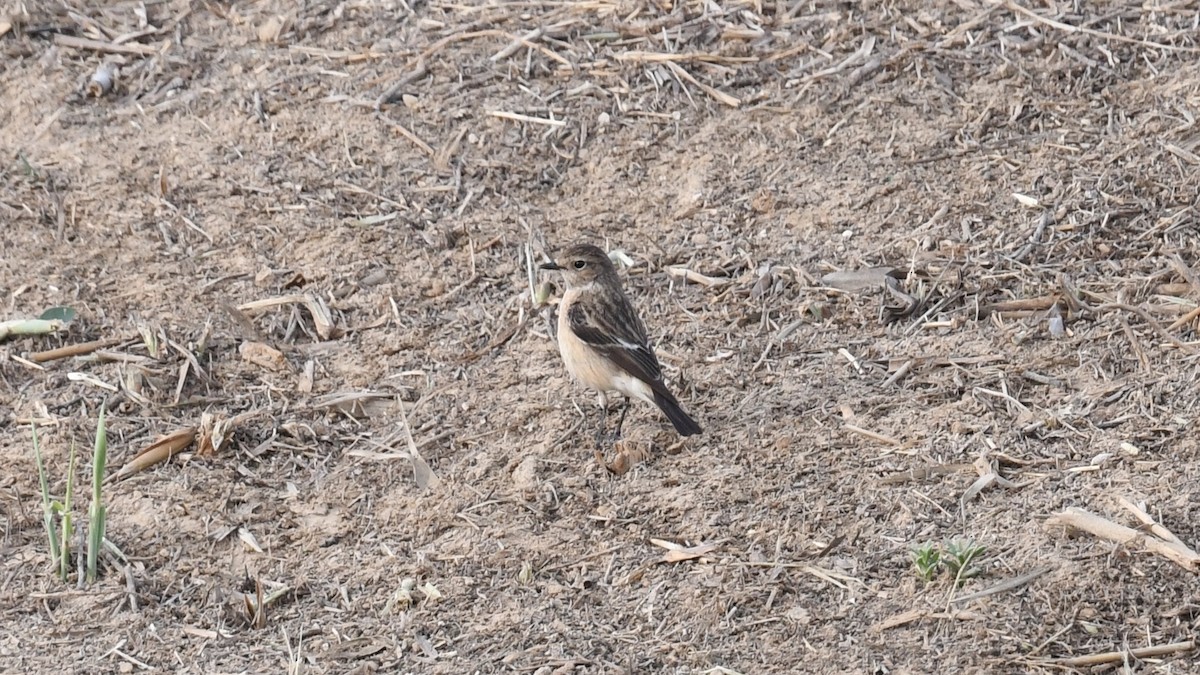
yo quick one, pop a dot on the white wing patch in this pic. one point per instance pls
(630, 345)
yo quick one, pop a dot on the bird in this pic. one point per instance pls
(603, 340)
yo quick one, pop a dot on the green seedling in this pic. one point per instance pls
(58, 517)
(926, 559)
(960, 559)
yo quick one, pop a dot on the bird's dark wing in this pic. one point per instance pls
(613, 329)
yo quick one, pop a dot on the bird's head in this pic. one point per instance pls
(581, 265)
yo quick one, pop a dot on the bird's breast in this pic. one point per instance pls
(591, 368)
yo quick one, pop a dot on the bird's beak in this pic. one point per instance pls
(551, 266)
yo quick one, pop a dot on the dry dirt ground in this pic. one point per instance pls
(1030, 172)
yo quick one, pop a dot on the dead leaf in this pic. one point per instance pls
(422, 473)
(358, 648)
(249, 540)
(1026, 200)
(305, 385)
(679, 553)
(357, 404)
(263, 355)
(899, 620)
(859, 280)
(680, 272)
(213, 433)
(271, 29)
(764, 284)
(800, 615)
(322, 318)
(431, 592)
(763, 202)
(688, 553)
(159, 451)
(628, 456)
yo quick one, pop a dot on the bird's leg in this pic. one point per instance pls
(621, 419)
(602, 399)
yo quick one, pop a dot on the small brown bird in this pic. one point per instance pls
(602, 340)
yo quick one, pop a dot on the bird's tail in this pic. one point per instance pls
(684, 424)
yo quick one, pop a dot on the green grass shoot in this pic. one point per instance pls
(56, 554)
(64, 560)
(96, 510)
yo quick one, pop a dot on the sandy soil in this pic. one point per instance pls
(1028, 173)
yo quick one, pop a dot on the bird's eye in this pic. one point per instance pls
(580, 264)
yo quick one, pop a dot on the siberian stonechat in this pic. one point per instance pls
(603, 341)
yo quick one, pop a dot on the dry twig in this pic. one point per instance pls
(1171, 549)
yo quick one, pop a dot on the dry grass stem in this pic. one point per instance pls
(1004, 586)
(135, 48)
(518, 117)
(915, 615)
(660, 57)
(697, 278)
(1174, 551)
(1095, 33)
(1140, 653)
(873, 435)
(719, 96)
(68, 351)
(1145, 519)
